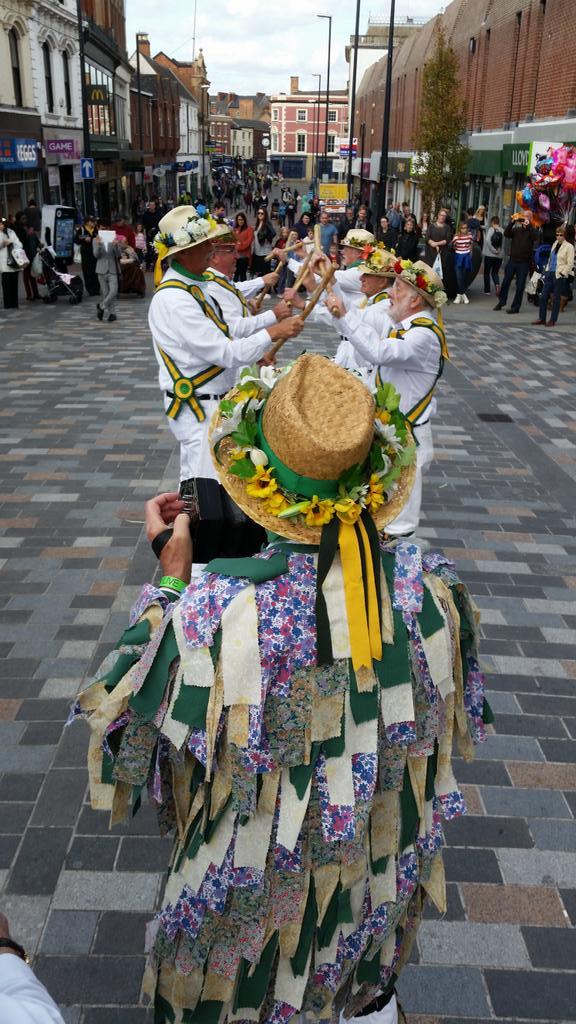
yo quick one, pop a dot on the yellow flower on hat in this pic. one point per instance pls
(383, 415)
(245, 393)
(375, 496)
(276, 503)
(261, 485)
(348, 511)
(318, 513)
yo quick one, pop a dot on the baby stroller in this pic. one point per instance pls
(52, 283)
(536, 282)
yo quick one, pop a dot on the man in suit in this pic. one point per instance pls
(107, 255)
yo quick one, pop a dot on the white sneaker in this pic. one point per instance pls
(465, 299)
(389, 1015)
(457, 300)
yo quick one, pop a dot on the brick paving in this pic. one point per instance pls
(81, 445)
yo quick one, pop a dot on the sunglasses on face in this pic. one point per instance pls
(226, 248)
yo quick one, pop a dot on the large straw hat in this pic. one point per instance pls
(423, 280)
(357, 238)
(317, 423)
(182, 228)
(378, 262)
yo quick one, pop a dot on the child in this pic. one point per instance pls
(462, 245)
(140, 243)
(333, 254)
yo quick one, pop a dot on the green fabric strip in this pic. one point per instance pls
(369, 970)
(374, 541)
(257, 570)
(337, 745)
(395, 667)
(378, 866)
(191, 706)
(306, 486)
(329, 923)
(309, 921)
(118, 671)
(300, 775)
(206, 1013)
(364, 706)
(408, 813)
(216, 645)
(345, 915)
(136, 799)
(107, 769)
(326, 555)
(487, 714)
(429, 619)
(136, 635)
(252, 990)
(163, 1011)
(148, 699)
(431, 766)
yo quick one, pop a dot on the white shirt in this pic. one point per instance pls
(350, 280)
(23, 999)
(346, 355)
(179, 325)
(410, 363)
(240, 325)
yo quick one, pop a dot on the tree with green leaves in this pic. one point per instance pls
(442, 158)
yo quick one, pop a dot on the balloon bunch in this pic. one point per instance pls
(551, 191)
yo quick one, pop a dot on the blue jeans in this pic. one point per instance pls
(520, 271)
(555, 287)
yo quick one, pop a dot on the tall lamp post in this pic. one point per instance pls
(317, 127)
(353, 101)
(386, 120)
(203, 105)
(328, 18)
(87, 183)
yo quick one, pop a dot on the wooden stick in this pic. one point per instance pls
(303, 271)
(317, 238)
(276, 347)
(287, 248)
(320, 287)
(261, 296)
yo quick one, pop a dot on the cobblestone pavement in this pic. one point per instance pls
(82, 443)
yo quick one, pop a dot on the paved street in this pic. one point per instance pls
(82, 444)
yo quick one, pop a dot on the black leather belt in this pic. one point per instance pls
(197, 394)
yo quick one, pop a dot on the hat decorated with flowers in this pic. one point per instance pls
(424, 280)
(377, 261)
(358, 238)
(182, 228)
(310, 453)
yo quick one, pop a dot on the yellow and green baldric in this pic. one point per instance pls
(417, 410)
(184, 387)
(229, 287)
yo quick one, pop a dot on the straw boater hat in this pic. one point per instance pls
(183, 228)
(358, 238)
(423, 280)
(308, 444)
(377, 261)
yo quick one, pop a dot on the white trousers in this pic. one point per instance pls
(195, 458)
(408, 519)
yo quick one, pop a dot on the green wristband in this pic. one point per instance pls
(173, 583)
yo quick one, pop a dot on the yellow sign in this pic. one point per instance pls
(328, 190)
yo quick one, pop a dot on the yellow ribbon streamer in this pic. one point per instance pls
(162, 251)
(372, 594)
(365, 640)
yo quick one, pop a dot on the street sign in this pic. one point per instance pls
(338, 165)
(331, 192)
(87, 168)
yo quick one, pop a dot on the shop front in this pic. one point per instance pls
(20, 162)
(62, 153)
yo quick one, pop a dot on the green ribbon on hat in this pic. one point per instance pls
(294, 482)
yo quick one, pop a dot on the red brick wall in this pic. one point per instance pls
(520, 65)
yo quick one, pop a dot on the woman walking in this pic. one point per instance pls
(559, 268)
(8, 267)
(492, 253)
(244, 235)
(462, 245)
(263, 238)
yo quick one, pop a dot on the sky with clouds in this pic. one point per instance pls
(252, 46)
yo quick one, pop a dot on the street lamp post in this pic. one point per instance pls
(317, 127)
(386, 121)
(203, 105)
(362, 140)
(352, 110)
(328, 18)
(87, 183)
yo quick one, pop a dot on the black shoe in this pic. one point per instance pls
(99, 311)
(500, 305)
(512, 310)
(112, 317)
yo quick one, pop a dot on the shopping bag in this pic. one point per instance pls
(437, 266)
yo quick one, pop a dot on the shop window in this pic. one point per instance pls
(15, 62)
(300, 143)
(100, 88)
(67, 90)
(48, 78)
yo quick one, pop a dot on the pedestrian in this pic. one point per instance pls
(437, 238)
(33, 216)
(522, 239)
(475, 222)
(363, 220)
(558, 270)
(108, 269)
(244, 234)
(395, 218)
(328, 232)
(346, 223)
(140, 243)
(303, 226)
(31, 247)
(408, 241)
(462, 247)
(290, 207)
(386, 234)
(262, 245)
(248, 200)
(492, 252)
(23, 998)
(9, 268)
(294, 714)
(85, 238)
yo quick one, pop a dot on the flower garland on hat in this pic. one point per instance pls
(361, 487)
(406, 271)
(378, 258)
(196, 229)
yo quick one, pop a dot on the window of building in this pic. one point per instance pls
(275, 114)
(100, 100)
(302, 115)
(332, 115)
(48, 77)
(274, 141)
(331, 143)
(15, 62)
(67, 90)
(301, 142)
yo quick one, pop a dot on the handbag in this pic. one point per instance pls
(17, 258)
(437, 266)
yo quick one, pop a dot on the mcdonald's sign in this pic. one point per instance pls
(98, 95)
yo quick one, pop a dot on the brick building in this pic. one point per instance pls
(298, 129)
(519, 85)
